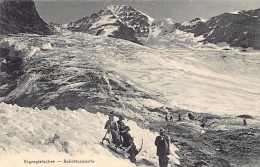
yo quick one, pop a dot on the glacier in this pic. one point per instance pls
(70, 81)
(177, 71)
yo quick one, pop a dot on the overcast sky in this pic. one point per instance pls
(64, 11)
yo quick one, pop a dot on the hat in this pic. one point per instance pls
(162, 130)
(111, 113)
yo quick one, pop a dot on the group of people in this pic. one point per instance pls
(168, 118)
(120, 135)
(122, 138)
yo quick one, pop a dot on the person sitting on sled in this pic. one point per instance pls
(127, 141)
(120, 123)
(112, 127)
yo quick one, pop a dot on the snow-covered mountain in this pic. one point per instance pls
(240, 28)
(119, 21)
(18, 16)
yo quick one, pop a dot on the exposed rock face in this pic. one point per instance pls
(119, 21)
(11, 68)
(21, 17)
(133, 18)
(197, 26)
(240, 29)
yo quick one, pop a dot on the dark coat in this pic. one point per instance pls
(127, 139)
(163, 145)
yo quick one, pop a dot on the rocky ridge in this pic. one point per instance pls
(239, 28)
(21, 17)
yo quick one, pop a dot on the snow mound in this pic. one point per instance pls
(33, 51)
(65, 135)
(47, 46)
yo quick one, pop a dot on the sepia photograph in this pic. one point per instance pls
(126, 83)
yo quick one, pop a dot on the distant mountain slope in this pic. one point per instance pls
(197, 26)
(21, 17)
(119, 21)
(160, 27)
(241, 28)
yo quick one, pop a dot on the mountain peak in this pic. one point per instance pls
(131, 23)
(116, 8)
(128, 11)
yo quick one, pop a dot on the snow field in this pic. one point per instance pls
(34, 134)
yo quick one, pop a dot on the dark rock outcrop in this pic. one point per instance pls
(135, 19)
(196, 26)
(241, 29)
(125, 33)
(19, 16)
(11, 68)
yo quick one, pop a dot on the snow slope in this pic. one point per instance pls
(29, 134)
(160, 27)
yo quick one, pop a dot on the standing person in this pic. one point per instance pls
(112, 127)
(245, 122)
(179, 117)
(163, 148)
(171, 118)
(203, 122)
(166, 118)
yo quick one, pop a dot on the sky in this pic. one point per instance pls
(64, 11)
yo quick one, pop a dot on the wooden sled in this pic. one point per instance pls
(119, 150)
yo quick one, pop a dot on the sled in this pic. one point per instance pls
(119, 149)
